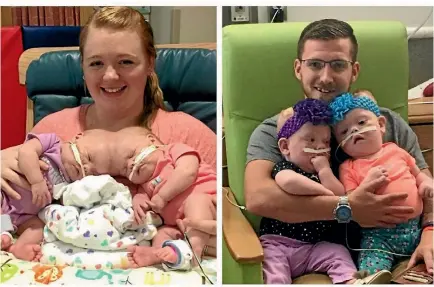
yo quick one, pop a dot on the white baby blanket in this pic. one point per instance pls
(96, 214)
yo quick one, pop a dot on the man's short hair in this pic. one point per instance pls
(328, 29)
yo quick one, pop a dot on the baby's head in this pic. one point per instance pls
(138, 145)
(88, 153)
(357, 124)
(305, 133)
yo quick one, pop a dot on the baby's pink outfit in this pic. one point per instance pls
(398, 164)
(206, 181)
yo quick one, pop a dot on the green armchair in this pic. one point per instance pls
(258, 82)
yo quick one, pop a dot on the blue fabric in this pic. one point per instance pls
(344, 103)
(50, 36)
(402, 239)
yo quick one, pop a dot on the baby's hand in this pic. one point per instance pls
(157, 203)
(41, 196)
(375, 173)
(320, 162)
(426, 188)
(140, 207)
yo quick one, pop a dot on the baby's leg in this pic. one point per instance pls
(199, 206)
(374, 261)
(276, 266)
(333, 259)
(141, 256)
(27, 246)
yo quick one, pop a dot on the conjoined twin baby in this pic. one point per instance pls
(171, 181)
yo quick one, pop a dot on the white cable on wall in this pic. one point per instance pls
(420, 26)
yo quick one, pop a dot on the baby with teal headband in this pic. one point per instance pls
(359, 128)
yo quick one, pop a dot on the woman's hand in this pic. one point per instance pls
(424, 251)
(10, 173)
(206, 226)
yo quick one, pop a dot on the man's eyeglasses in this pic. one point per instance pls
(336, 65)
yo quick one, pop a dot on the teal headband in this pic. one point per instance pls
(345, 103)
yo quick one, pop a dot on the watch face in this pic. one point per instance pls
(343, 213)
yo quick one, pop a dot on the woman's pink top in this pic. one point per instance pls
(169, 127)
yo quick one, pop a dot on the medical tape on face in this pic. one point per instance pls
(140, 157)
(363, 130)
(77, 158)
(316, 151)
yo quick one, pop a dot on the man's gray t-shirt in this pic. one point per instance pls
(263, 141)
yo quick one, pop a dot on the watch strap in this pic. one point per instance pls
(428, 224)
(343, 200)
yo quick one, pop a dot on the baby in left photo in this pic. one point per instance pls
(110, 172)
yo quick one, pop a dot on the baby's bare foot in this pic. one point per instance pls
(166, 254)
(6, 242)
(28, 252)
(142, 256)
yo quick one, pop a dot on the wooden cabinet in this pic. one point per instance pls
(420, 118)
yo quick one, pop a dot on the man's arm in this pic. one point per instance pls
(264, 197)
(427, 203)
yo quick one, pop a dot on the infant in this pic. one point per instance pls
(292, 249)
(171, 180)
(63, 168)
(359, 128)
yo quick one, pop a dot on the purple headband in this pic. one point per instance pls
(312, 111)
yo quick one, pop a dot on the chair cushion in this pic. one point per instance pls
(259, 80)
(50, 36)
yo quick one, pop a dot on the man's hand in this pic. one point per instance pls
(320, 162)
(157, 203)
(140, 207)
(373, 210)
(425, 188)
(376, 173)
(41, 196)
(424, 251)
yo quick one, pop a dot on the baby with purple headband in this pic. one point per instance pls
(292, 249)
(359, 128)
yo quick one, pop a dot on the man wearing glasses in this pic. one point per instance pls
(326, 66)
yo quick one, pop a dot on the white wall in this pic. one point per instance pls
(412, 17)
(196, 24)
(161, 19)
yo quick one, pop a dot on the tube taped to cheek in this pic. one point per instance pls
(77, 158)
(363, 130)
(140, 157)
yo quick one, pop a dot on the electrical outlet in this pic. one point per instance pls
(240, 14)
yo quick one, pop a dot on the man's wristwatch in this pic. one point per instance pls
(342, 212)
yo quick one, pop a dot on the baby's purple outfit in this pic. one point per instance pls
(286, 258)
(23, 209)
